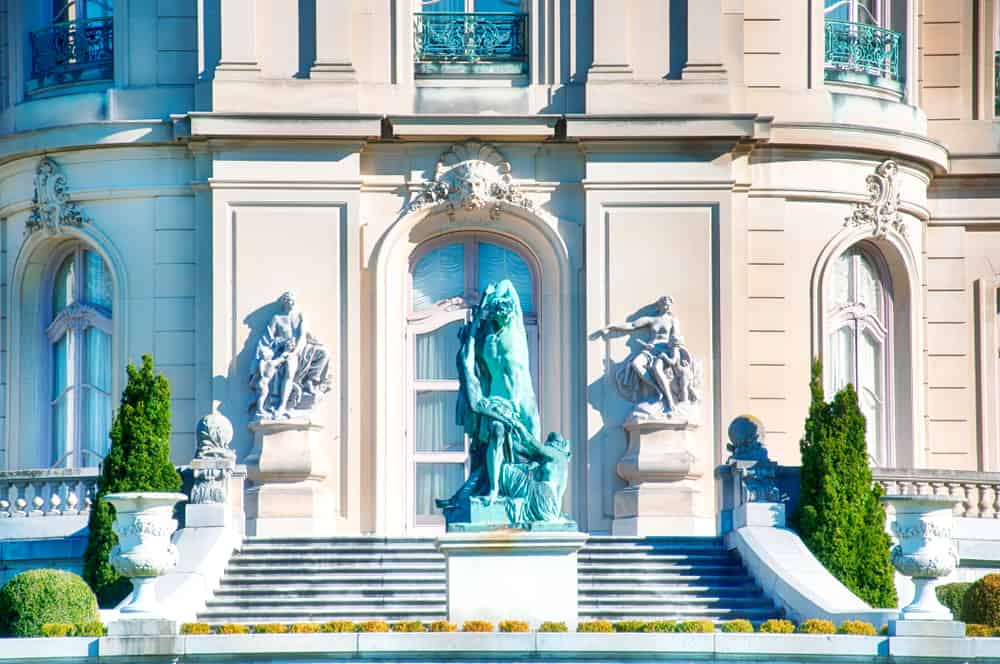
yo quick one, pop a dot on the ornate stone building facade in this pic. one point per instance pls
(809, 179)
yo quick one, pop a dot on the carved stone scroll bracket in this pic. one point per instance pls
(881, 210)
(471, 176)
(51, 207)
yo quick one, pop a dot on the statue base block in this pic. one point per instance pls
(473, 515)
(288, 464)
(531, 575)
(660, 508)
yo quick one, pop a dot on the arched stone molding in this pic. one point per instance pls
(27, 347)
(538, 234)
(901, 264)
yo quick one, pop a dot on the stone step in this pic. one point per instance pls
(655, 600)
(735, 590)
(720, 557)
(345, 568)
(336, 549)
(338, 559)
(329, 600)
(676, 613)
(240, 589)
(356, 614)
(639, 566)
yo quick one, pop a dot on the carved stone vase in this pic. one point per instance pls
(925, 551)
(144, 522)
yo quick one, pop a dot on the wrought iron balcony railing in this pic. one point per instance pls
(862, 48)
(73, 51)
(449, 42)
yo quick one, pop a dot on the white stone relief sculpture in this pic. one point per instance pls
(471, 176)
(51, 207)
(660, 376)
(881, 210)
(292, 371)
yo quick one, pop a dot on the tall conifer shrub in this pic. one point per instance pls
(139, 460)
(839, 516)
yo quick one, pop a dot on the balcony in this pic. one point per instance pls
(863, 54)
(72, 52)
(479, 43)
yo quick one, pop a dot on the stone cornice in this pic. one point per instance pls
(84, 136)
(276, 125)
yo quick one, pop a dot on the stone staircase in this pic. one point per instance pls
(378, 578)
(339, 578)
(668, 578)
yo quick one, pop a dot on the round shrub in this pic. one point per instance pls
(58, 629)
(409, 626)
(305, 628)
(39, 596)
(696, 627)
(373, 626)
(602, 626)
(196, 628)
(514, 626)
(232, 628)
(630, 626)
(951, 595)
(817, 626)
(443, 626)
(337, 626)
(551, 626)
(777, 626)
(972, 629)
(659, 627)
(859, 627)
(981, 604)
(270, 628)
(477, 626)
(737, 626)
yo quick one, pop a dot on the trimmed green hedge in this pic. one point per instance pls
(839, 516)
(981, 604)
(36, 597)
(951, 595)
(139, 460)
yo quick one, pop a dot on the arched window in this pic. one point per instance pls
(79, 336)
(446, 280)
(858, 313)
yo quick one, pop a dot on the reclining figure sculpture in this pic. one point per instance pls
(515, 480)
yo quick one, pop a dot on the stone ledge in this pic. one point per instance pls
(467, 646)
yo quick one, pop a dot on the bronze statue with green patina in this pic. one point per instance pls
(515, 480)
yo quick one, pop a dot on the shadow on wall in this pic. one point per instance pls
(678, 49)
(608, 443)
(238, 397)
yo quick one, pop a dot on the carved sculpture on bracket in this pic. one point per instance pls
(471, 176)
(660, 377)
(51, 207)
(881, 210)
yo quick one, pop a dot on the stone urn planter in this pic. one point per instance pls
(144, 522)
(925, 551)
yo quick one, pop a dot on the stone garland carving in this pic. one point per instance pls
(51, 207)
(292, 371)
(660, 377)
(748, 454)
(471, 176)
(881, 210)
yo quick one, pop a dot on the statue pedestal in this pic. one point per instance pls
(287, 465)
(512, 575)
(663, 495)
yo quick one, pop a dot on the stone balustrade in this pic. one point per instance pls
(51, 492)
(979, 492)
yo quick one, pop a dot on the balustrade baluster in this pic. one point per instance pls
(953, 488)
(967, 504)
(984, 504)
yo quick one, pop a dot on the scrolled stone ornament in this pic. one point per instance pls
(144, 523)
(924, 551)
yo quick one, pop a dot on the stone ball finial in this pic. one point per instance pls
(746, 438)
(214, 433)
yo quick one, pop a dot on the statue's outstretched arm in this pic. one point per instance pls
(638, 323)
